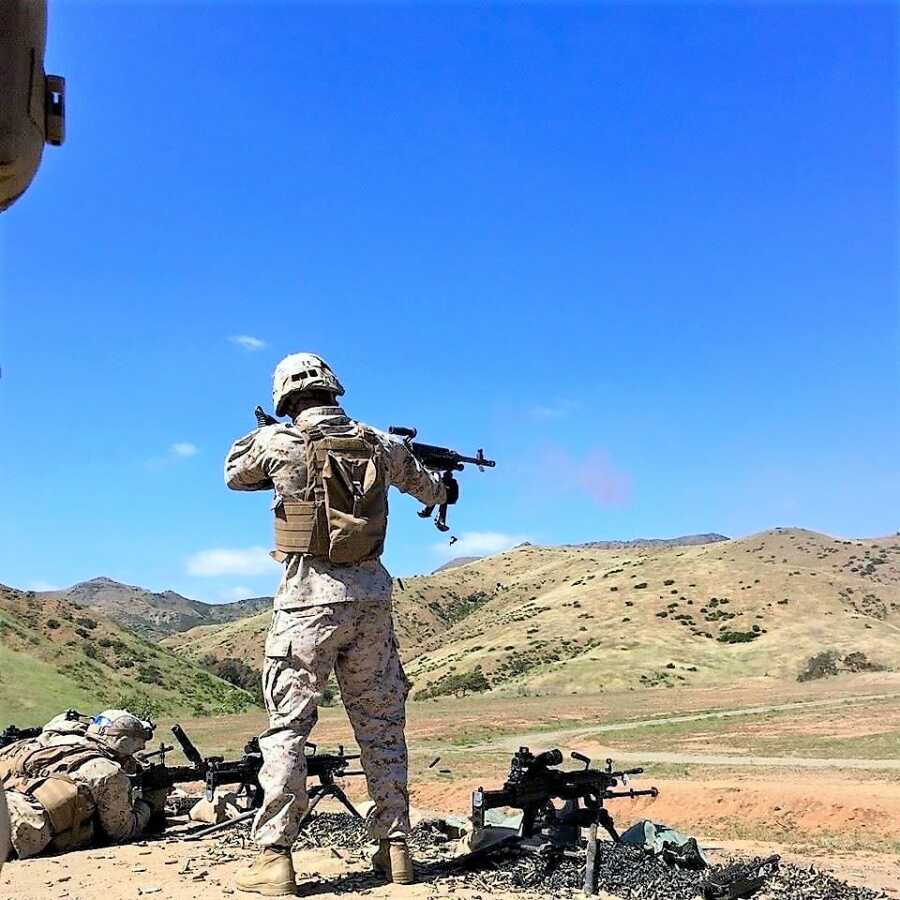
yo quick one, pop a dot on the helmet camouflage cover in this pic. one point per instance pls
(123, 733)
(302, 372)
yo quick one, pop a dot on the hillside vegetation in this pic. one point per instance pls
(153, 615)
(582, 619)
(55, 655)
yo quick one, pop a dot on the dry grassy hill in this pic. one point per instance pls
(55, 655)
(580, 619)
(153, 615)
(573, 620)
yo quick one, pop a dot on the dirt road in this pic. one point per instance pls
(581, 733)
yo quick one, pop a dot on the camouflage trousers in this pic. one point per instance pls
(355, 639)
(4, 828)
(30, 831)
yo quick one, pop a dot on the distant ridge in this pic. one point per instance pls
(149, 614)
(458, 561)
(687, 540)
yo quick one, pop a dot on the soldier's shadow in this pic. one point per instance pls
(355, 882)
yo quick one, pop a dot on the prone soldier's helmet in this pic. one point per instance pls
(302, 372)
(120, 731)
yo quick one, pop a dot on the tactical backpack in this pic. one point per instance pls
(45, 773)
(342, 516)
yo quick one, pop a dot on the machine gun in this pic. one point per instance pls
(534, 783)
(439, 459)
(216, 771)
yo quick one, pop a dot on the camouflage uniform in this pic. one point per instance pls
(106, 802)
(4, 829)
(328, 617)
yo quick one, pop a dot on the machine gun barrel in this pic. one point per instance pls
(631, 793)
(445, 459)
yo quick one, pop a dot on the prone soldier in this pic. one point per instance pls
(71, 784)
(331, 476)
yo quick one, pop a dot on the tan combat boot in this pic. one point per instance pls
(392, 860)
(272, 874)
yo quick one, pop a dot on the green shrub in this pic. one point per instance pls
(822, 665)
(150, 674)
(737, 637)
(458, 684)
(139, 703)
(859, 662)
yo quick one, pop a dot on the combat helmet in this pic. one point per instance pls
(120, 731)
(302, 372)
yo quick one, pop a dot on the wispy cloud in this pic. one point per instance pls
(42, 586)
(184, 449)
(178, 451)
(478, 543)
(247, 341)
(593, 474)
(552, 412)
(230, 561)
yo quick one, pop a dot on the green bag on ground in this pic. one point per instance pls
(671, 846)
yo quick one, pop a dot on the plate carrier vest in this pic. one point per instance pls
(342, 513)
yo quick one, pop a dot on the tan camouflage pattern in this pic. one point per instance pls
(356, 640)
(4, 829)
(60, 730)
(117, 812)
(274, 458)
(30, 832)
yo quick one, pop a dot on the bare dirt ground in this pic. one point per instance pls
(172, 870)
(808, 771)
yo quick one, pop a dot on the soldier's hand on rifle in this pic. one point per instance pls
(452, 486)
(157, 801)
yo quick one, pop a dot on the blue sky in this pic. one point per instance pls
(646, 256)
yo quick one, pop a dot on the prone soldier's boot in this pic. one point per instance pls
(392, 860)
(271, 874)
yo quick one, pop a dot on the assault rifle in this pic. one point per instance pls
(11, 734)
(440, 459)
(534, 782)
(216, 771)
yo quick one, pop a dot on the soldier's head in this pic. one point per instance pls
(303, 380)
(120, 731)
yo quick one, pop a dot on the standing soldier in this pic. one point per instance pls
(331, 476)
